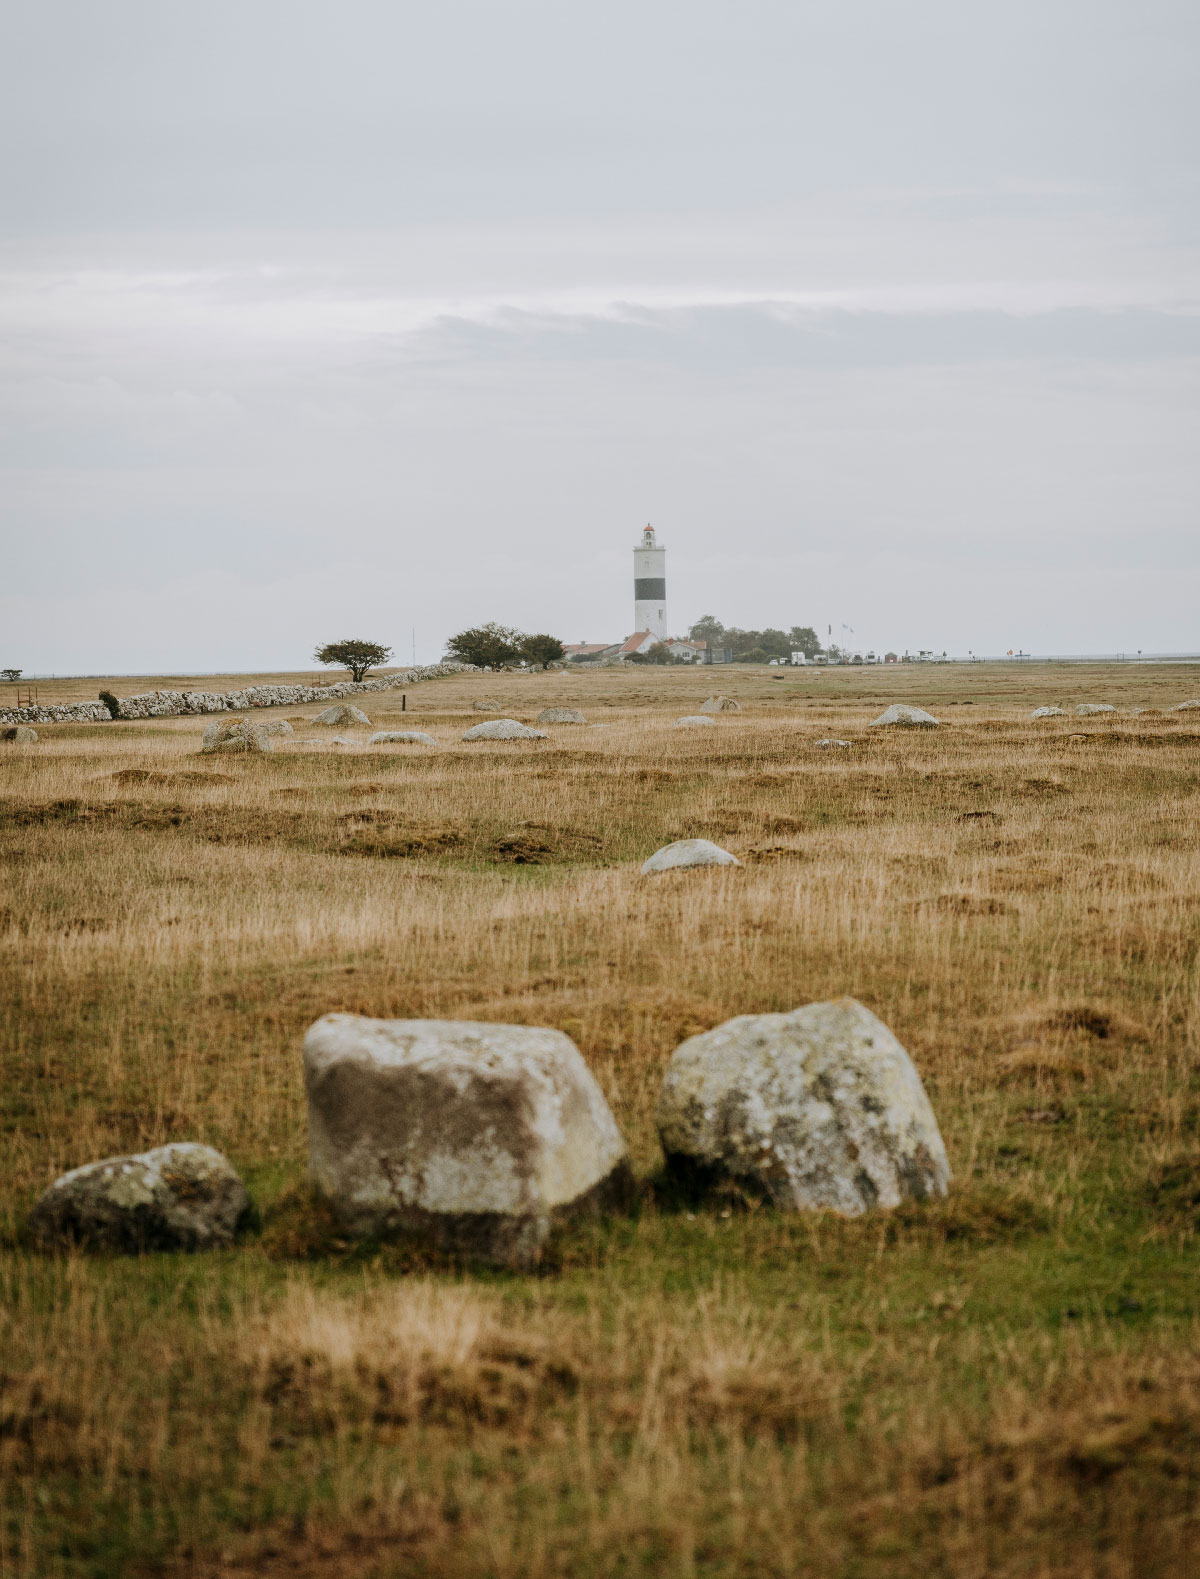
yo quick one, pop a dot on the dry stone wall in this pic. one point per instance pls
(174, 704)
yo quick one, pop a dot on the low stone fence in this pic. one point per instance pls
(174, 704)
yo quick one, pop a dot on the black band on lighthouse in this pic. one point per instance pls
(647, 588)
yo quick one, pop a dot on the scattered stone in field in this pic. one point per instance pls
(1086, 709)
(819, 1108)
(561, 715)
(504, 729)
(277, 726)
(178, 1197)
(341, 714)
(20, 734)
(825, 744)
(476, 1135)
(1049, 712)
(235, 734)
(401, 737)
(720, 704)
(688, 852)
(696, 721)
(488, 707)
(1182, 707)
(905, 716)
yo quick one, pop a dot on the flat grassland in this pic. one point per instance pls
(1007, 1382)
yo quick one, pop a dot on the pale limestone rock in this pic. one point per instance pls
(503, 729)
(179, 1197)
(235, 734)
(476, 1135)
(276, 726)
(821, 1107)
(561, 715)
(904, 716)
(826, 744)
(484, 706)
(1182, 707)
(19, 734)
(1086, 709)
(720, 704)
(1049, 712)
(695, 721)
(341, 714)
(688, 852)
(401, 737)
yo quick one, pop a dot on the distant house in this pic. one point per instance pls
(690, 651)
(640, 642)
(591, 651)
(890, 657)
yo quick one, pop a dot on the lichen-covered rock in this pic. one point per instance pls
(19, 734)
(1086, 709)
(1049, 712)
(696, 721)
(504, 729)
(720, 704)
(905, 717)
(179, 1197)
(475, 1135)
(275, 726)
(485, 706)
(688, 852)
(561, 715)
(338, 716)
(401, 737)
(821, 1107)
(234, 735)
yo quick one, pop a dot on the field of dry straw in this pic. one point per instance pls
(1007, 1383)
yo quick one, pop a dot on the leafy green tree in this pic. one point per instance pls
(542, 649)
(488, 646)
(707, 628)
(775, 644)
(802, 638)
(357, 656)
(752, 655)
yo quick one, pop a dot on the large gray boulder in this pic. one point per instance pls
(1086, 709)
(19, 734)
(1049, 712)
(179, 1197)
(720, 704)
(341, 714)
(401, 737)
(477, 1136)
(821, 1107)
(695, 721)
(688, 852)
(504, 729)
(561, 715)
(905, 717)
(234, 735)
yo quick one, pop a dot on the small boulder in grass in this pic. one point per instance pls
(475, 1136)
(178, 1197)
(1183, 707)
(19, 734)
(1049, 712)
(826, 745)
(234, 735)
(277, 726)
(1088, 709)
(401, 737)
(817, 1109)
(504, 729)
(720, 704)
(688, 852)
(486, 706)
(561, 715)
(340, 716)
(902, 716)
(696, 721)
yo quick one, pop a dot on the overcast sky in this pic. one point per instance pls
(364, 317)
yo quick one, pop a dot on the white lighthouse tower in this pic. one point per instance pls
(650, 587)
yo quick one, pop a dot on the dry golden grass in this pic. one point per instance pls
(1005, 1383)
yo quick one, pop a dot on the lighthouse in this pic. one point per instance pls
(650, 587)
